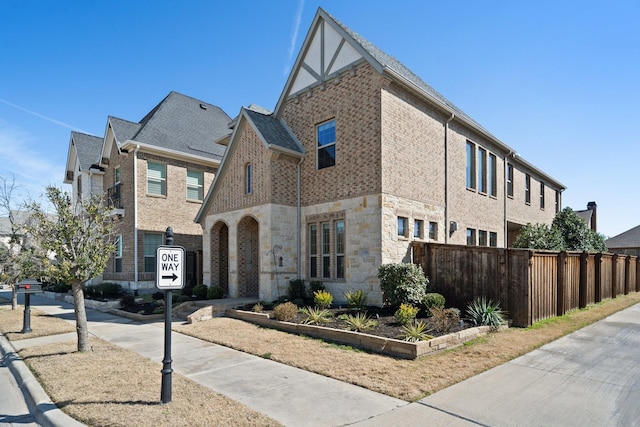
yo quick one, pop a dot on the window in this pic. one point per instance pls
(557, 201)
(248, 179)
(493, 239)
(527, 189)
(327, 249)
(471, 165)
(433, 231)
(542, 195)
(79, 189)
(340, 243)
(326, 134)
(482, 170)
(482, 238)
(195, 185)
(510, 180)
(418, 229)
(156, 179)
(118, 255)
(402, 226)
(471, 236)
(493, 176)
(313, 250)
(151, 243)
(116, 176)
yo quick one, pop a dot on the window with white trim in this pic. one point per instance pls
(326, 136)
(340, 245)
(156, 178)
(195, 185)
(327, 248)
(151, 243)
(118, 255)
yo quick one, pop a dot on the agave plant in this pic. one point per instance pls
(415, 331)
(486, 312)
(360, 322)
(315, 316)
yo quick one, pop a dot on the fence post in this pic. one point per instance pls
(582, 287)
(627, 279)
(562, 265)
(598, 272)
(614, 276)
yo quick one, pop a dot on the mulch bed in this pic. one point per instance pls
(387, 325)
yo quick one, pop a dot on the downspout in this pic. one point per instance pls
(446, 177)
(299, 218)
(135, 219)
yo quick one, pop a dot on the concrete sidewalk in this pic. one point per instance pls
(588, 378)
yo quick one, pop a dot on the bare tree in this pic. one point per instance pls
(78, 244)
(18, 259)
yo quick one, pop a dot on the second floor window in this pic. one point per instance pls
(195, 185)
(527, 189)
(418, 229)
(403, 226)
(471, 165)
(156, 178)
(510, 180)
(493, 175)
(541, 195)
(482, 170)
(248, 178)
(326, 135)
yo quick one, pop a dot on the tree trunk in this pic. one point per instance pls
(82, 328)
(14, 297)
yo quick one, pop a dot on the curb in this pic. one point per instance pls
(45, 412)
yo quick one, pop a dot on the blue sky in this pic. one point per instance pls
(556, 80)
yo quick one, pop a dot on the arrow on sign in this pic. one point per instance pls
(173, 277)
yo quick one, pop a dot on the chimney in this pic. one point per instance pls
(591, 206)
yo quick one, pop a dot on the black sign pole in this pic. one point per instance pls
(26, 321)
(165, 394)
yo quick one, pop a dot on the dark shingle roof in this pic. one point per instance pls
(123, 130)
(88, 149)
(185, 124)
(273, 131)
(628, 239)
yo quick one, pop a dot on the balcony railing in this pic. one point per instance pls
(113, 197)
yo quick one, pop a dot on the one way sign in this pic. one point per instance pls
(170, 268)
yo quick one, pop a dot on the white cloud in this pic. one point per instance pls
(294, 35)
(32, 171)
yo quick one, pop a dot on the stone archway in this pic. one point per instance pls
(248, 260)
(220, 256)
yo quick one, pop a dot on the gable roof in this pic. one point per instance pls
(628, 239)
(84, 150)
(273, 133)
(384, 64)
(178, 124)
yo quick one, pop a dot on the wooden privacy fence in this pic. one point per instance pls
(530, 285)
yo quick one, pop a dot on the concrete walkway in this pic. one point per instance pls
(588, 378)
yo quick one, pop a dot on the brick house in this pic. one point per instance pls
(359, 158)
(155, 173)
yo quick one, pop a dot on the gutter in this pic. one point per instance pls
(135, 219)
(299, 218)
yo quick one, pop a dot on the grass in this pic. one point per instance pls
(112, 386)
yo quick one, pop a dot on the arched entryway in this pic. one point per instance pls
(220, 256)
(248, 264)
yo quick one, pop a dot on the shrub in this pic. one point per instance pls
(356, 300)
(285, 312)
(315, 316)
(403, 283)
(157, 295)
(127, 300)
(215, 292)
(432, 300)
(322, 299)
(360, 322)
(183, 298)
(317, 285)
(200, 291)
(484, 312)
(104, 290)
(415, 331)
(443, 320)
(297, 289)
(406, 313)
(257, 308)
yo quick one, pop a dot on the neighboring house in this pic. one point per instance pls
(590, 216)
(155, 173)
(360, 158)
(627, 243)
